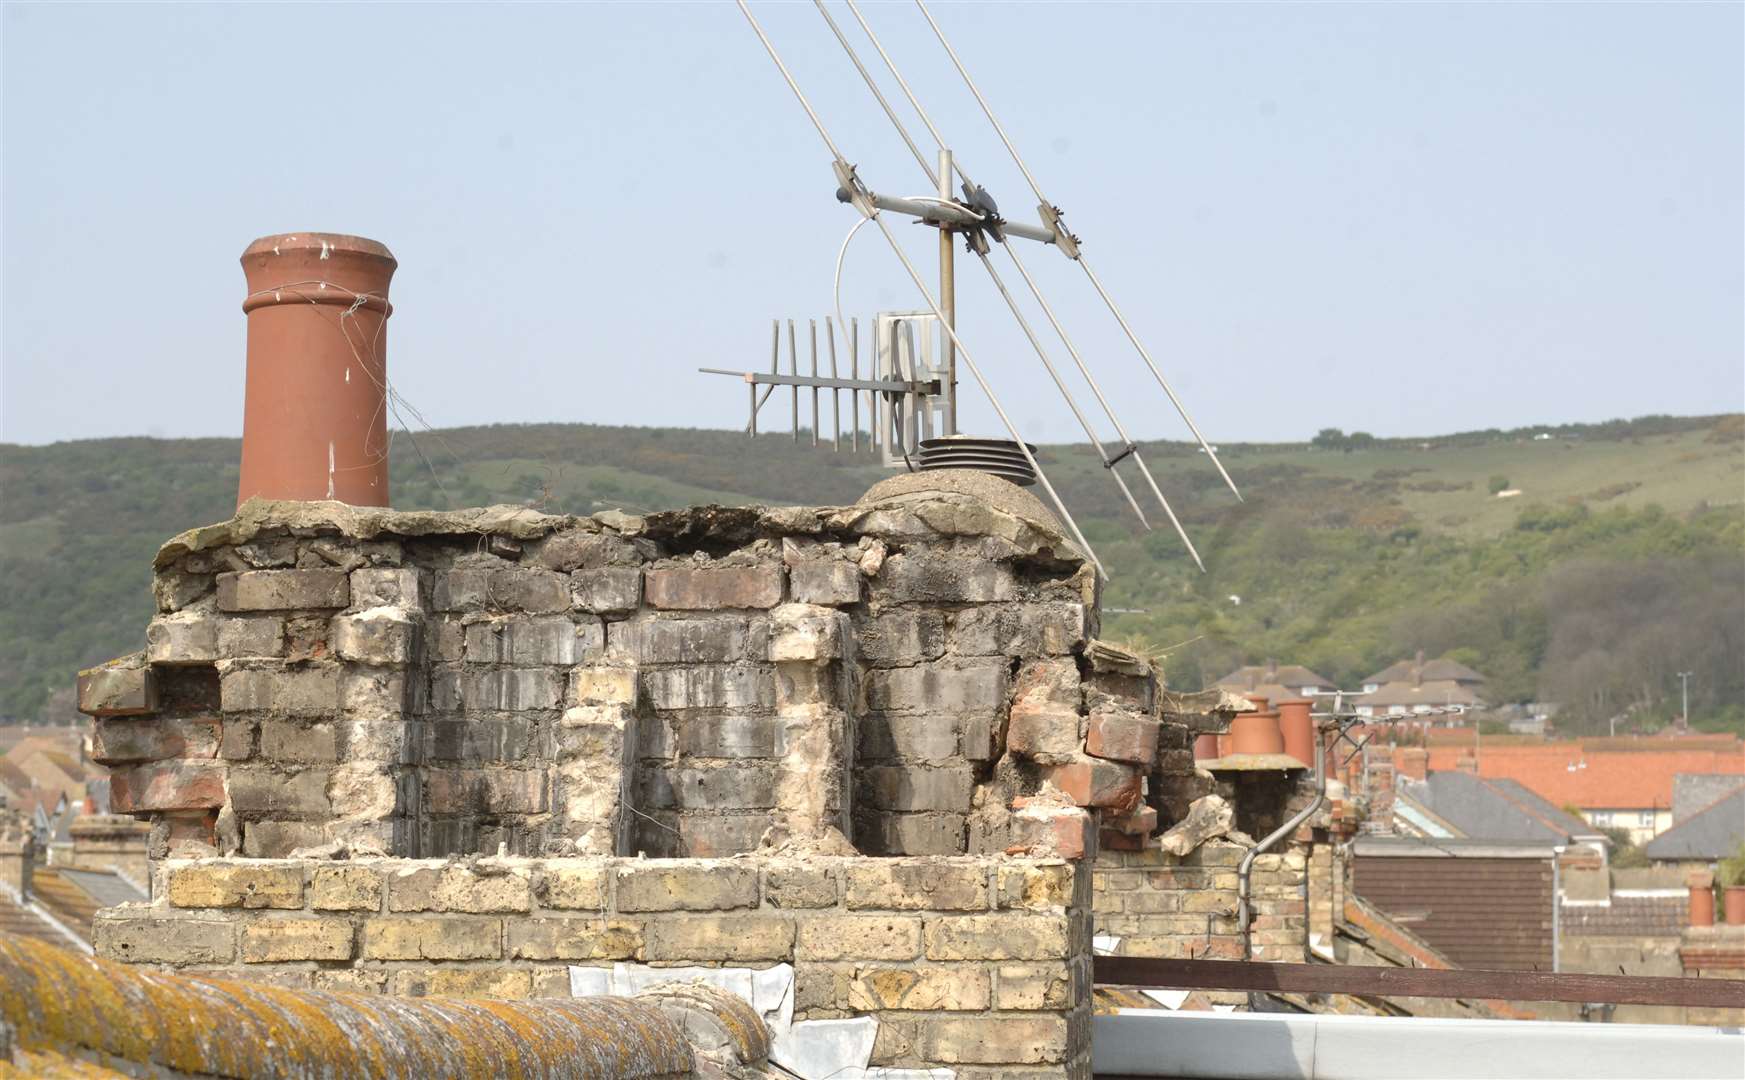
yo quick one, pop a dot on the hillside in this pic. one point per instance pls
(1621, 561)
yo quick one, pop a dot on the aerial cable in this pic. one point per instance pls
(1035, 290)
(1051, 215)
(859, 198)
(980, 250)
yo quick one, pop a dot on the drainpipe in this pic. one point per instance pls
(1244, 913)
(1557, 907)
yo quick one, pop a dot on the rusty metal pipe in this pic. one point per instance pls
(315, 411)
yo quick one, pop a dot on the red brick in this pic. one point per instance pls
(169, 785)
(1122, 737)
(1067, 832)
(1120, 841)
(1042, 732)
(1141, 822)
(1093, 782)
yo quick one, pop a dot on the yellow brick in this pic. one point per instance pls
(997, 937)
(720, 937)
(575, 939)
(227, 886)
(915, 885)
(345, 888)
(943, 989)
(464, 983)
(275, 940)
(573, 888)
(432, 939)
(860, 937)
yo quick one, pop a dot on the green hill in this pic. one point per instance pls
(1620, 562)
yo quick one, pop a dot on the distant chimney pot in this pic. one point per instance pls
(315, 408)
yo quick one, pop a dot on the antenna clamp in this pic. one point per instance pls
(1064, 240)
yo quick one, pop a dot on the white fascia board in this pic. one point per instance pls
(1281, 1046)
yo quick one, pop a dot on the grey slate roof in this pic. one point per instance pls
(1491, 808)
(1712, 833)
(1694, 792)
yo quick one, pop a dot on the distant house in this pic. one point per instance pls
(57, 904)
(1712, 832)
(1276, 682)
(1461, 805)
(1621, 783)
(1417, 686)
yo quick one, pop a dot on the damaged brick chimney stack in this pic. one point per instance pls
(315, 410)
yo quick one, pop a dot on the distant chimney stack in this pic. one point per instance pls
(315, 409)
(1415, 762)
(17, 858)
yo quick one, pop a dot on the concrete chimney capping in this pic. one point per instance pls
(464, 752)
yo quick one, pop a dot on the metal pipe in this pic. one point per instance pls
(1244, 911)
(947, 281)
(794, 370)
(835, 391)
(814, 332)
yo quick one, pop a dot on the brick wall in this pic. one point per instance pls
(690, 683)
(1184, 906)
(979, 964)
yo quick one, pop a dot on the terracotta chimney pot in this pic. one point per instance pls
(315, 423)
(1702, 897)
(1298, 728)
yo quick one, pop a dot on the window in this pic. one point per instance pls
(1645, 819)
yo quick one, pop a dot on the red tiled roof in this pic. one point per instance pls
(1579, 774)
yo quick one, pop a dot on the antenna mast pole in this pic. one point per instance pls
(948, 296)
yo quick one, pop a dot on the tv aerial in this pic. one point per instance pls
(911, 382)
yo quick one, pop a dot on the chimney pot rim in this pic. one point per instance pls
(342, 243)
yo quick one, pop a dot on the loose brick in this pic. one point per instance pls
(222, 885)
(1095, 782)
(825, 581)
(859, 937)
(915, 885)
(607, 591)
(1062, 832)
(572, 888)
(278, 940)
(735, 938)
(998, 937)
(283, 590)
(124, 687)
(575, 939)
(345, 888)
(663, 885)
(117, 740)
(713, 587)
(1122, 736)
(424, 938)
(167, 785)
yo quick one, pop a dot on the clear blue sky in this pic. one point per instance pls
(1400, 218)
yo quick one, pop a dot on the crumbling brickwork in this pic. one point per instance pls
(905, 673)
(975, 964)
